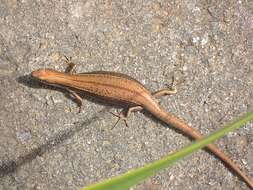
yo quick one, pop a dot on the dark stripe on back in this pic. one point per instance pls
(109, 73)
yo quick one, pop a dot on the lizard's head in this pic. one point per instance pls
(46, 75)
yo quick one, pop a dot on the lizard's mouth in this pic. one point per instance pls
(40, 76)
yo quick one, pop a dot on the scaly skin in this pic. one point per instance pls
(122, 88)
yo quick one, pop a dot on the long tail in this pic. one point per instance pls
(187, 130)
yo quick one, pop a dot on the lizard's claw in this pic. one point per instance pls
(120, 116)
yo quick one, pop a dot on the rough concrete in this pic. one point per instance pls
(206, 45)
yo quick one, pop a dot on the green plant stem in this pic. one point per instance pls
(130, 178)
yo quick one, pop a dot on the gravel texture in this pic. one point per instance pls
(206, 45)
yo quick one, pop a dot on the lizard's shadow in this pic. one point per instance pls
(9, 165)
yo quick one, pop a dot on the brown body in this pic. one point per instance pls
(122, 88)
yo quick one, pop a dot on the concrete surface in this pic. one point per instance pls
(206, 45)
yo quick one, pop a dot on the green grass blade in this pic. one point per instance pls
(127, 180)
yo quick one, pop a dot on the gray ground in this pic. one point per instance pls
(206, 45)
